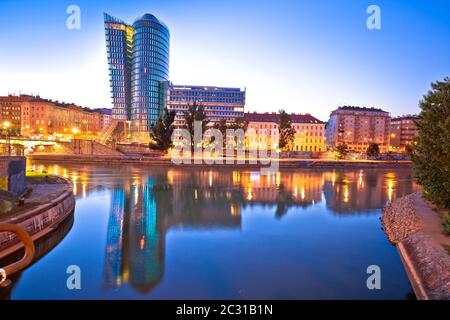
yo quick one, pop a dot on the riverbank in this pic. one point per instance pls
(166, 161)
(49, 202)
(412, 224)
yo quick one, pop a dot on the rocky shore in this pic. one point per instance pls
(415, 228)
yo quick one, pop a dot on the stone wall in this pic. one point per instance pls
(12, 174)
(39, 221)
(415, 228)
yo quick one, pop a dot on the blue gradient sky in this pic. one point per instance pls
(304, 56)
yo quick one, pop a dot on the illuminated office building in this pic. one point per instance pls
(138, 59)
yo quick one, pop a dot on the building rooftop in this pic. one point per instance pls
(356, 108)
(406, 117)
(150, 17)
(37, 98)
(274, 117)
(203, 88)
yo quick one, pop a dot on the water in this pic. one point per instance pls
(149, 233)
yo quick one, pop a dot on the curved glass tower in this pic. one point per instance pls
(150, 67)
(138, 58)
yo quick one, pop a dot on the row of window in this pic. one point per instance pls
(213, 100)
(149, 66)
(156, 73)
(151, 47)
(115, 32)
(151, 41)
(142, 30)
(144, 101)
(205, 94)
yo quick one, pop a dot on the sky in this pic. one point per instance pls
(303, 56)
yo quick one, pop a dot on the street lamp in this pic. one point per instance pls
(6, 125)
(75, 130)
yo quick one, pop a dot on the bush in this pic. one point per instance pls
(341, 151)
(431, 154)
(373, 150)
(446, 224)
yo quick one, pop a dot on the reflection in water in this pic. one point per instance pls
(134, 251)
(42, 246)
(145, 205)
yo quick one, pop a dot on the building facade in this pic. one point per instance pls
(138, 59)
(105, 118)
(309, 131)
(403, 131)
(219, 103)
(33, 116)
(358, 127)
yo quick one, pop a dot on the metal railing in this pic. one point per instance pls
(27, 257)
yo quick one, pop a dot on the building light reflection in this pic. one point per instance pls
(346, 193)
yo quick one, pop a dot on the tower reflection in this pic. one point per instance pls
(134, 246)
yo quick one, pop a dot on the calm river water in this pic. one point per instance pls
(166, 233)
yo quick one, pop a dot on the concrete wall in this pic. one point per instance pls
(87, 147)
(12, 174)
(39, 221)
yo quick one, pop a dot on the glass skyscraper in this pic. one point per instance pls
(138, 59)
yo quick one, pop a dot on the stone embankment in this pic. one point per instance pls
(415, 228)
(47, 206)
(166, 161)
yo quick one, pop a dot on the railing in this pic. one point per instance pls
(109, 131)
(27, 257)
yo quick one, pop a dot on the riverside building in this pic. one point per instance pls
(358, 127)
(219, 103)
(33, 116)
(403, 131)
(309, 131)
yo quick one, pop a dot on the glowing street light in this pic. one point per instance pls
(6, 125)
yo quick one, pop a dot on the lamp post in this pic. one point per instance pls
(6, 125)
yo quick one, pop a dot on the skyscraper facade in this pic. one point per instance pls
(119, 38)
(138, 58)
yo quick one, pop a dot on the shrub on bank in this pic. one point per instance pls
(446, 224)
(431, 154)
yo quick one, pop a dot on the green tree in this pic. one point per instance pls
(223, 126)
(161, 132)
(287, 133)
(431, 154)
(195, 112)
(373, 150)
(341, 151)
(409, 150)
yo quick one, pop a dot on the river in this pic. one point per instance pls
(174, 233)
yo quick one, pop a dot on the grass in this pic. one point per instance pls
(37, 177)
(37, 174)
